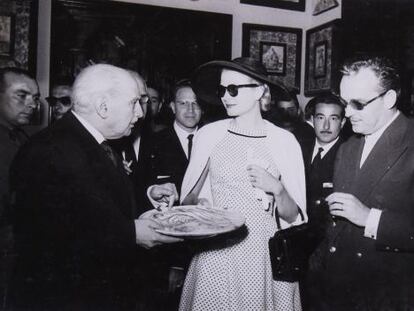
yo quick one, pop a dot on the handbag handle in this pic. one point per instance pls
(278, 217)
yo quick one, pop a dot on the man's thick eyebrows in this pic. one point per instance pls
(26, 91)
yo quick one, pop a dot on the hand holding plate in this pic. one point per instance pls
(147, 236)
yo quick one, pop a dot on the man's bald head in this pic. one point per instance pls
(107, 97)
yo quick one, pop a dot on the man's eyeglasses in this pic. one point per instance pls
(53, 101)
(357, 105)
(144, 99)
(233, 89)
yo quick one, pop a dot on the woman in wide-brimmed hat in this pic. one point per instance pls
(248, 164)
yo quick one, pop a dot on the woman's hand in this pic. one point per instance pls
(262, 179)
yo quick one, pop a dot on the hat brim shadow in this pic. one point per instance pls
(206, 80)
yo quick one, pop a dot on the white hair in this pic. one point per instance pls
(96, 80)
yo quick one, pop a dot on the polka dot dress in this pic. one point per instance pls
(239, 277)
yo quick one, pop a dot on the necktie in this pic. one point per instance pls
(190, 144)
(317, 159)
(110, 152)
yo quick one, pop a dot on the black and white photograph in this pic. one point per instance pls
(206, 155)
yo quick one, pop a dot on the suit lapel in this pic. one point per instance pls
(176, 142)
(110, 177)
(383, 156)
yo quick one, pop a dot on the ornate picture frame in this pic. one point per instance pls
(278, 48)
(18, 34)
(322, 58)
(296, 5)
(322, 6)
(7, 33)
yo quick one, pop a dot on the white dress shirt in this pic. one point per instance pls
(136, 145)
(182, 136)
(371, 227)
(325, 148)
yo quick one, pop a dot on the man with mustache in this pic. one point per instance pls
(328, 119)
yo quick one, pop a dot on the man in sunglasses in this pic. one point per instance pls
(59, 100)
(366, 260)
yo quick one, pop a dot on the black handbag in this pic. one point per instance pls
(289, 251)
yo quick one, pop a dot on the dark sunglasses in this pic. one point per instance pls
(233, 89)
(357, 105)
(53, 101)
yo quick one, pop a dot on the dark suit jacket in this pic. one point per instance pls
(168, 158)
(141, 175)
(317, 179)
(359, 273)
(73, 222)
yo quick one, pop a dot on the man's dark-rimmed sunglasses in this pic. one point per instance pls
(357, 105)
(233, 89)
(65, 100)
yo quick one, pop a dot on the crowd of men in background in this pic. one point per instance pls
(72, 182)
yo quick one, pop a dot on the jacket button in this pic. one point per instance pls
(396, 250)
(359, 255)
(387, 248)
(332, 249)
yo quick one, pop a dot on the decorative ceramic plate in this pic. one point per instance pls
(195, 220)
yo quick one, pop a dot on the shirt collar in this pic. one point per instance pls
(376, 135)
(182, 133)
(325, 148)
(89, 127)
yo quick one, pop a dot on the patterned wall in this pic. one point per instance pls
(21, 9)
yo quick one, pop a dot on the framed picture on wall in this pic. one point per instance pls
(278, 48)
(322, 58)
(6, 35)
(18, 34)
(324, 5)
(297, 5)
(319, 61)
(273, 57)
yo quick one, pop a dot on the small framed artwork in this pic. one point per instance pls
(319, 61)
(322, 58)
(273, 57)
(278, 48)
(296, 5)
(6, 35)
(324, 5)
(18, 34)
